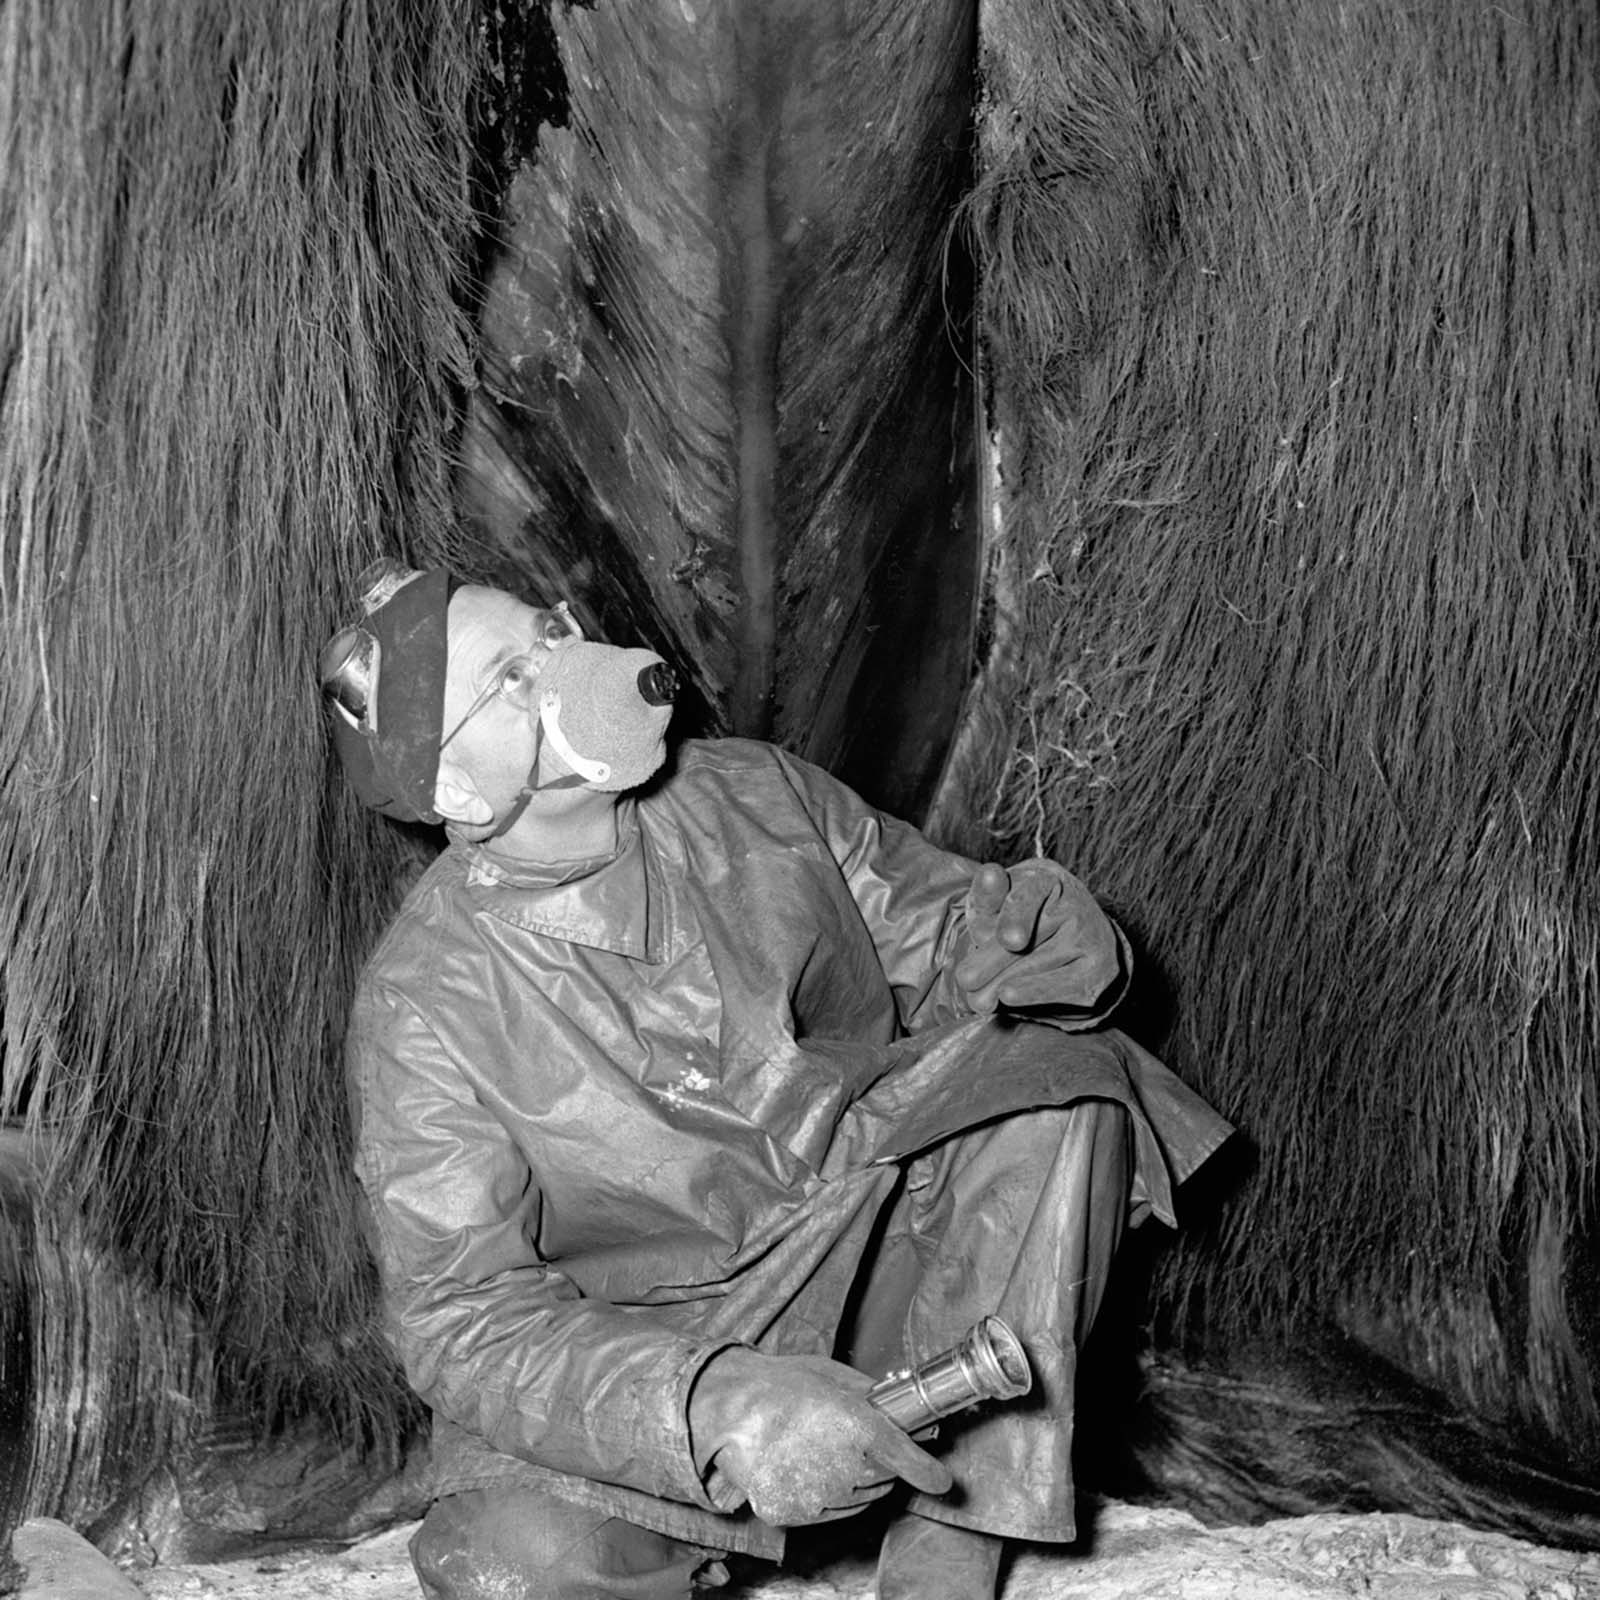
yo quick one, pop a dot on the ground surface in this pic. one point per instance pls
(1134, 1554)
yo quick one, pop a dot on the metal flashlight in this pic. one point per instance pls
(986, 1363)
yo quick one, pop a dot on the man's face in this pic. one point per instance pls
(497, 740)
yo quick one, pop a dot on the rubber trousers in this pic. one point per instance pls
(1018, 1218)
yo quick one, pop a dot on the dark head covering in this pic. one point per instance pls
(383, 681)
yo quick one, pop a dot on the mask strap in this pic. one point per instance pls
(532, 785)
(550, 721)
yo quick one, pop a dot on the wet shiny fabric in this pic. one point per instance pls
(513, 1543)
(922, 1560)
(614, 1119)
(1020, 1218)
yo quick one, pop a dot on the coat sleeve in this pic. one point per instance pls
(912, 896)
(489, 1335)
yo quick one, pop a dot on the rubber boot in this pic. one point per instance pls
(925, 1560)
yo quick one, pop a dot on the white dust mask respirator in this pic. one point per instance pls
(604, 710)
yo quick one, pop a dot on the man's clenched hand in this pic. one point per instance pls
(798, 1438)
(1035, 937)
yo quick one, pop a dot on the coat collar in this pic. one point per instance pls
(604, 903)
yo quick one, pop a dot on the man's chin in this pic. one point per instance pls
(469, 832)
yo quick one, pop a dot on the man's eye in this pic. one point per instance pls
(515, 677)
(559, 626)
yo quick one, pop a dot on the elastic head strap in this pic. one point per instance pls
(532, 785)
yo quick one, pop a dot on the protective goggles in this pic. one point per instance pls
(352, 658)
(383, 685)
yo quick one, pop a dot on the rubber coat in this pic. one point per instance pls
(611, 1121)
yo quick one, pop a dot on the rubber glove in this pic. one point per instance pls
(797, 1437)
(1036, 937)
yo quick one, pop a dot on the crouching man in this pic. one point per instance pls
(692, 1095)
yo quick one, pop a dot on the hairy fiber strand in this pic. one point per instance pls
(230, 345)
(1294, 315)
